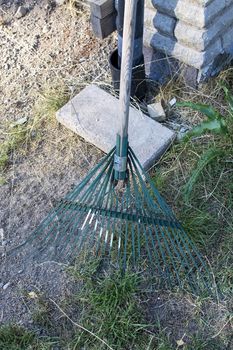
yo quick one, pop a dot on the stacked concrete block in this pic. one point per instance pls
(198, 33)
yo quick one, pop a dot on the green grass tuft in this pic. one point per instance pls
(13, 337)
(19, 137)
(110, 311)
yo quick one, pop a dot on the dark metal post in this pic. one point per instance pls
(138, 38)
(138, 86)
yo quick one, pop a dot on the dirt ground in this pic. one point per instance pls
(49, 45)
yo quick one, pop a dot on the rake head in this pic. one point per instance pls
(127, 221)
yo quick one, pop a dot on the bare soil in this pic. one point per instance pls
(50, 46)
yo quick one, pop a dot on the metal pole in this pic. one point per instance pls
(138, 37)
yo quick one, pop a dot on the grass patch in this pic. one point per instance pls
(109, 310)
(196, 178)
(19, 138)
(200, 193)
(15, 137)
(13, 337)
(42, 314)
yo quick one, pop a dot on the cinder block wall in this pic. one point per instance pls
(198, 33)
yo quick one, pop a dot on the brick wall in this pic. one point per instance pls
(196, 32)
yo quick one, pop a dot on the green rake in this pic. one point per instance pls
(117, 212)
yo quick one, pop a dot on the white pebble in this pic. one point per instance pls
(6, 285)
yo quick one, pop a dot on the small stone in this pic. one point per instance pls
(32, 295)
(60, 2)
(21, 12)
(182, 133)
(156, 112)
(33, 134)
(6, 285)
(1, 234)
(184, 129)
(20, 121)
(180, 343)
(172, 102)
(7, 66)
(46, 29)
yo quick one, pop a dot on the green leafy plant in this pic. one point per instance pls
(215, 121)
(216, 124)
(228, 97)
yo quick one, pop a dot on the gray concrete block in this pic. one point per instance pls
(202, 2)
(186, 54)
(200, 39)
(190, 12)
(149, 17)
(149, 4)
(228, 2)
(167, 7)
(165, 24)
(154, 19)
(227, 38)
(159, 66)
(94, 115)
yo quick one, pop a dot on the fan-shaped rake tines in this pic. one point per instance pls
(127, 221)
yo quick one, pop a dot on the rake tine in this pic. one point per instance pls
(103, 190)
(103, 216)
(105, 161)
(159, 198)
(108, 230)
(97, 222)
(136, 191)
(120, 231)
(194, 261)
(180, 256)
(63, 209)
(127, 226)
(138, 207)
(109, 194)
(170, 214)
(114, 224)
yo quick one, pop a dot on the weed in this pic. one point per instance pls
(198, 343)
(15, 138)
(215, 121)
(13, 337)
(110, 310)
(209, 156)
(2, 181)
(20, 137)
(42, 314)
(50, 100)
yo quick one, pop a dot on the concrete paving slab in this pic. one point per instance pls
(94, 115)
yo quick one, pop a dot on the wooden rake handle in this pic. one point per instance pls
(126, 66)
